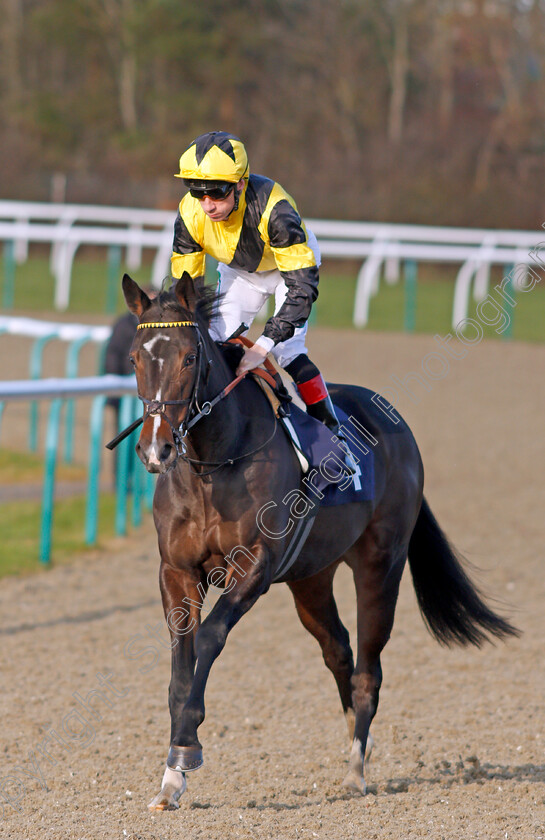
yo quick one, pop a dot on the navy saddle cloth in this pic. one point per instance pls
(328, 473)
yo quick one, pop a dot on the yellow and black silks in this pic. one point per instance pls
(265, 232)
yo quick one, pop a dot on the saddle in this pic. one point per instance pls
(323, 482)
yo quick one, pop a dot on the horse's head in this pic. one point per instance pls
(168, 354)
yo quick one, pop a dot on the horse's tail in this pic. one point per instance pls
(452, 607)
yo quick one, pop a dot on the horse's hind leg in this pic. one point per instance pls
(317, 610)
(377, 574)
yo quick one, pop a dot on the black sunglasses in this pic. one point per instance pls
(216, 193)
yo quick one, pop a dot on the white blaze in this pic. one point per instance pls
(149, 345)
(154, 454)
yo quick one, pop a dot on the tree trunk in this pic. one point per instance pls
(10, 62)
(445, 72)
(127, 92)
(398, 76)
(118, 18)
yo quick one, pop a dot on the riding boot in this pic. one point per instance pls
(324, 411)
(313, 391)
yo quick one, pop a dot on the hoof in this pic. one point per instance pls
(172, 788)
(354, 782)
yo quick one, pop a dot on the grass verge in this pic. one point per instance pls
(20, 520)
(20, 529)
(26, 468)
(34, 288)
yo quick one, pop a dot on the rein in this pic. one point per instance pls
(157, 407)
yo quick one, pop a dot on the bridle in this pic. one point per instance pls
(195, 411)
(156, 408)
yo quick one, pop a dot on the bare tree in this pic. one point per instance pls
(12, 84)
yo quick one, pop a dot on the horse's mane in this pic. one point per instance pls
(205, 300)
(205, 307)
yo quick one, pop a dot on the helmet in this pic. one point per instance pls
(214, 157)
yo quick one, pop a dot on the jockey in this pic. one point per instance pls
(251, 226)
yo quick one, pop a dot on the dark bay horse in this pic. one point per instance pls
(228, 492)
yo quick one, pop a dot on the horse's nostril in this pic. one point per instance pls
(166, 452)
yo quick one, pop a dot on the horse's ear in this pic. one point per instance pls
(188, 291)
(135, 298)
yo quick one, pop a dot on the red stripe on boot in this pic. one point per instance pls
(313, 390)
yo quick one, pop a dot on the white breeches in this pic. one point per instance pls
(244, 293)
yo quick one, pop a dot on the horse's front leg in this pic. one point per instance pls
(182, 592)
(241, 593)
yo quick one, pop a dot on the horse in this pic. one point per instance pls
(229, 489)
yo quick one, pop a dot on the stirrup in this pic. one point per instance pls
(349, 460)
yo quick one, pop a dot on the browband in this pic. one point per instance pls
(166, 324)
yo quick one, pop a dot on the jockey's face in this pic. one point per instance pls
(218, 209)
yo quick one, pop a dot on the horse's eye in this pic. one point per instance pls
(132, 361)
(190, 360)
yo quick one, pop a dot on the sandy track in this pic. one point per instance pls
(460, 742)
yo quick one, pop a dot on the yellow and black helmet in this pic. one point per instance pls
(214, 157)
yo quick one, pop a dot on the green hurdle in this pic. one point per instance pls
(36, 360)
(96, 425)
(112, 287)
(138, 477)
(126, 416)
(8, 291)
(2, 404)
(140, 485)
(72, 361)
(149, 490)
(509, 271)
(410, 276)
(48, 497)
(143, 482)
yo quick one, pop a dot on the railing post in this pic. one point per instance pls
(48, 498)
(161, 261)
(36, 360)
(63, 273)
(391, 270)
(509, 289)
(126, 413)
(72, 359)
(101, 361)
(138, 475)
(366, 285)
(410, 274)
(134, 250)
(112, 288)
(96, 426)
(8, 292)
(2, 403)
(461, 291)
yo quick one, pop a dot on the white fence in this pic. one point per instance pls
(60, 225)
(36, 328)
(380, 246)
(384, 246)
